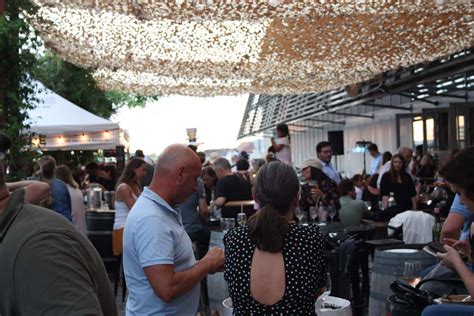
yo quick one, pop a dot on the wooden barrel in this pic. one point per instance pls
(99, 231)
(389, 263)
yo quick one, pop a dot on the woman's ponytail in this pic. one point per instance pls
(275, 190)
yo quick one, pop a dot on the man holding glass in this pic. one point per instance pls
(161, 271)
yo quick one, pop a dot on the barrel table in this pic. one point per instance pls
(389, 264)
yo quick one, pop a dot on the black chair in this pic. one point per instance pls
(99, 231)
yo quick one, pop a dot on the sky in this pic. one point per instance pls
(164, 122)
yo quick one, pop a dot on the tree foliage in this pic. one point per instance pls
(78, 86)
(18, 45)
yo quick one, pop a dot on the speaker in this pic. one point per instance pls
(336, 138)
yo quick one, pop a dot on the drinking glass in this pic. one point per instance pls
(322, 214)
(313, 184)
(332, 212)
(412, 271)
(241, 219)
(381, 208)
(299, 214)
(369, 205)
(227, 224)
(313, 212)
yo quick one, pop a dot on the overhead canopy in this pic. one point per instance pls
(58, 124)
(155, 47)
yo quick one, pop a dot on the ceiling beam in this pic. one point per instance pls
(325, 121)
(354, 115)
(415, 98)
(394, 107)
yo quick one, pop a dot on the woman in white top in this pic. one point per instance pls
(78, 212)
(282, 144)
(127, 191)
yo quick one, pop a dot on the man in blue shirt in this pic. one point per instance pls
(458, 223)
(60, 197)
(324, 153)
(377, 161)
(161, 271)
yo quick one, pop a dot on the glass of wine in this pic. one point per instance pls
(412, 271)
(368, 204)
(322, 214)
(313, 212)
(381, 208)
(299, 214)
(241, 219)
(332, 212)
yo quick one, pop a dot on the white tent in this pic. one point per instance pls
(58, 124)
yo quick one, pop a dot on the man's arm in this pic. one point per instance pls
(452, 226)
(220, 201)
(35, 191)
(168, 284)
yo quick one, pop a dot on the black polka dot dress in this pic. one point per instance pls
(305, 271)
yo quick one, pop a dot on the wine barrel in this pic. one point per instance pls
(389, 263)
(99, 231)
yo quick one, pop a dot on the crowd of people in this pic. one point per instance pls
(156, 224)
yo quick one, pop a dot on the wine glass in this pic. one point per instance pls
(323, 211)
(313, 212)
(241, 219)
(299, 214)
(332, 212)
(381, 208)
(412, 271)
(368, 204)
(327, 290)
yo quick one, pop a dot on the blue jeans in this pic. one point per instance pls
(448, 309)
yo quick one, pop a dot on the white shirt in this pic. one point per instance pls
(330, 171)
(359, 193)
(121, 213)
(285, 153)
(375, 165)
(417, 226)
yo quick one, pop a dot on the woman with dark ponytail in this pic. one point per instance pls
(272, 265)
